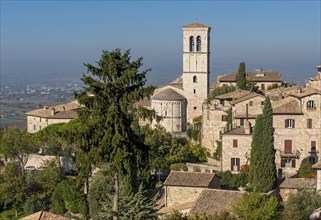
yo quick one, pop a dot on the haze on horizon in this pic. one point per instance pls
(51, 40)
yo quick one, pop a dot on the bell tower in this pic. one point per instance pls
(196, 67)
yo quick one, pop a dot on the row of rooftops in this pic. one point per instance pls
(255, 76)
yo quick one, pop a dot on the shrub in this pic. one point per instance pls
(306, 171)
(179, 167)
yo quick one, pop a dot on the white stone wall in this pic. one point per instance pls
(35, 123)
(212, 126)
(196, 64)
(175, 195)
(173, 113)
(242, 151)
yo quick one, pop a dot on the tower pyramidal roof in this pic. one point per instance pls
(195, 25)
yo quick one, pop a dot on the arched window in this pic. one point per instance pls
(198, 44)
(194, 79)
(191, 44)
(311, 105)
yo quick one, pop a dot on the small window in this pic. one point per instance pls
(234, 143)
(198, 44)
(251, 103)
(313, 145)
(309, 123)
(191, 44)
(242, 122)
(224, 118)
(311, 105)
(289, 123)
(30, 127)
(262, 86)
(194, 79)
(194, 107)
(262, 103)
(165, 113)
(288, 146)
(286, 162)
(235, 164)
(194, 91)
(39, 119)
(40, 127)
(34, 127)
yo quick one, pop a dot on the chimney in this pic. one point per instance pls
(247, 127)
(53, 111)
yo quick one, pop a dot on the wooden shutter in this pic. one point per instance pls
(313, 145)
(293, 125)
(288, 146)
(293, 163)
(234, 143)
(309, 123)
(282, 162)
(286, 123)
(232, 163)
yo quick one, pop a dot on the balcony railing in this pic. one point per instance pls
(292, 154)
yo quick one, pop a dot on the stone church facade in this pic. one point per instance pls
(181, 101)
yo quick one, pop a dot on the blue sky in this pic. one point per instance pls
(52, 39)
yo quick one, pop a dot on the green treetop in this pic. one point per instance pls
(241, 77)
(111, 90)
(262, 166)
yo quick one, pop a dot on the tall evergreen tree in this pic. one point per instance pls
(241, 77)
(111, 90)
(262, 167)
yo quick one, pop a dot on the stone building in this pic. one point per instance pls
(263, 79)
(42, 117)
(183, 188)
(315, 82)
(292, 185)
(297, 134)
(181, 101)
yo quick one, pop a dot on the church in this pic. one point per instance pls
(181, 101)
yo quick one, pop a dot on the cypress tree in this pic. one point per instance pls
(241, 77)
(262, 167)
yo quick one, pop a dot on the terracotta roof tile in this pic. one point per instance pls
(62, 111)
(299, 183)
(256, 76)
(168, 94)
(246, 97)
(233, 95)
(194, 179)
(317, 165)
(43, 215)
(213, 201)
(288, 105)
(195, 25)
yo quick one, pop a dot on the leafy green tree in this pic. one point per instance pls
(300, 205)
(306, 171)
(52, 139)
(111, 90)
(262, 166)
(47, 180)
(241, 77)
(13, 189)
(256, 206)
(218, 151)
(67, 197)
(17, 145)
(220, 91)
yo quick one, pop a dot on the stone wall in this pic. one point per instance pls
(175, 195)
(242, 151)
(35, 123)
(213, 125)
(173, 113)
